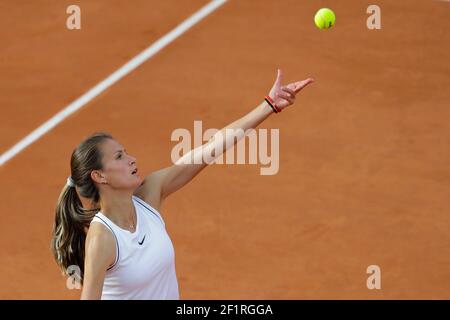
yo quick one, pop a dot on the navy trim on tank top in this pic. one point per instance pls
(147, 207)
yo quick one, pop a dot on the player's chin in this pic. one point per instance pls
(136, 180)
(131, 183)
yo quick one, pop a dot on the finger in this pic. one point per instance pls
(286, 97)
(279, 77)
(288, 90)
(301, 84)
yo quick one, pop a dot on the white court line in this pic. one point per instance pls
(109, 81)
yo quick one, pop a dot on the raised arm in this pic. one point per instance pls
(158, 185)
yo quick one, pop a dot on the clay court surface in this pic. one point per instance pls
(364, 173)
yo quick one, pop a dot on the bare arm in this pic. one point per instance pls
(99, 255)
(158, 185)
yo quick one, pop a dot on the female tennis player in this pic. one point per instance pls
(120, 244)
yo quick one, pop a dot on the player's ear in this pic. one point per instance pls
(98, 176)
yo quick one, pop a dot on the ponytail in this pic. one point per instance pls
(71, 219)
(69, 230)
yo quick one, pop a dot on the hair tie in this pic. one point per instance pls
(70, 182)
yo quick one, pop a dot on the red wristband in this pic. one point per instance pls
(272, 104)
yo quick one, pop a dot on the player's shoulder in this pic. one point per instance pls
(149, 192)
(100, 247)
(99, 237)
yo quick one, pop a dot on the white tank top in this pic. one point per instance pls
(145, 260)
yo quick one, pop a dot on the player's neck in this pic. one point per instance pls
(118, 208)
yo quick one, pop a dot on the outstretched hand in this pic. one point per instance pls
(284, 95)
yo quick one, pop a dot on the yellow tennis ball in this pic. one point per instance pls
(324, 18)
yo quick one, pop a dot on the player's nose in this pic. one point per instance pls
(132, 160)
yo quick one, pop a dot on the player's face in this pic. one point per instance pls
(119, 167)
